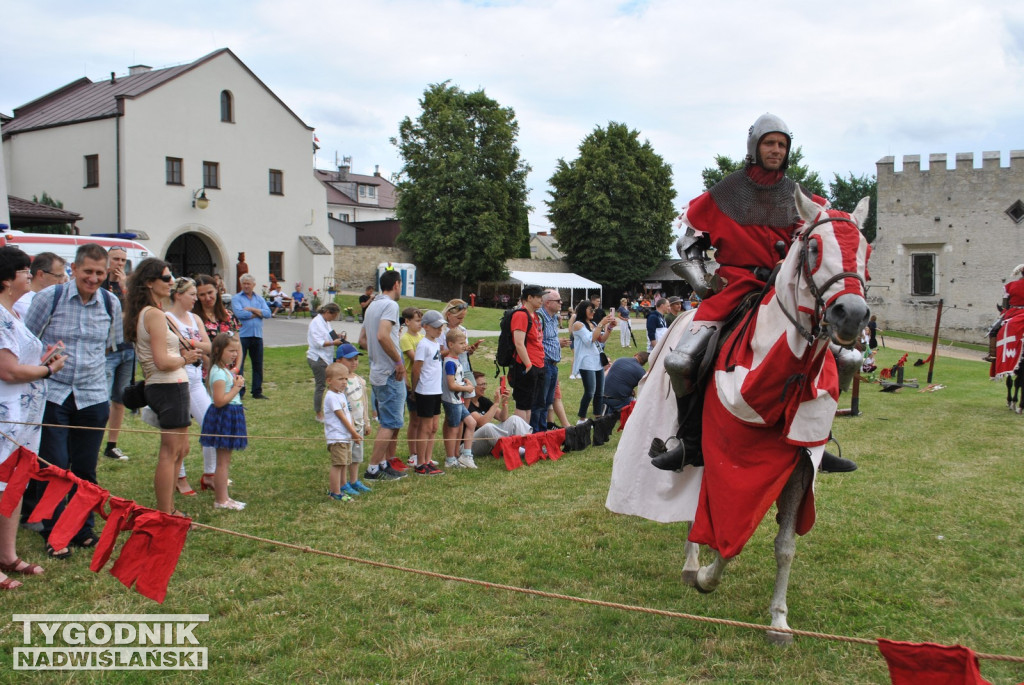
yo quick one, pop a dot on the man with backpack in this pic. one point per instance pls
(527, 372)
(87, 319)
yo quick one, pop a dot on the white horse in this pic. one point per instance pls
(768, 409)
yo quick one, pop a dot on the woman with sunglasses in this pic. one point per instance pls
(163, 362)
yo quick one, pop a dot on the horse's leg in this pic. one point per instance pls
(692, 563)
(785, 545)
(1010, 399)
(709, 577)
(1018, 381)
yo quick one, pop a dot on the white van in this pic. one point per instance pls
(65, 246)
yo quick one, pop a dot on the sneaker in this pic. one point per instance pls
(431, 470)
(451, 463)
(466, 461)
(392, 474)
(349, 490)
(422, 470)
(397, 464)
(412, 461)
(379, 475)
(360, 486)
(341, 496)
(115, 453)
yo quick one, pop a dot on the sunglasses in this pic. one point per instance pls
(166, 278)
(458, 307)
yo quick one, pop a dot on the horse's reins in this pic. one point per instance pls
(817, 331)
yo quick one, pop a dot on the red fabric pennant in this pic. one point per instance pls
(624, 414)
(16, 471)
(121, 511)
(60, 483)
(532, 444)
(508, 448)
(553, 443)
(87, 497)
(926, 663)
(151, 554)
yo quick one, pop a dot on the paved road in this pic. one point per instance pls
(283, 332)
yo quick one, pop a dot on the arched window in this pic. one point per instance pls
(227, 106)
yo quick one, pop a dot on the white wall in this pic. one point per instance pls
(53, 160)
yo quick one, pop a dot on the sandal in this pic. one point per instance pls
(54, 554)
(9, 584)
(206, 482)
(230, 504)
(190, 492)
(87, 543)
(26, 570)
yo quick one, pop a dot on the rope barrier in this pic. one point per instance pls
(552, 595)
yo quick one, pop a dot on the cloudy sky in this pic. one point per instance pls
(855, 83)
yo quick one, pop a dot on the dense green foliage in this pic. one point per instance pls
(845, 193)
(462, 190)
(612, 207)
(725, 165)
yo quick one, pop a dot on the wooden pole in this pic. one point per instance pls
(935, 342)
(855, 395)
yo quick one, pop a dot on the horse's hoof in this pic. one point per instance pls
(784, 639)
(1019, 410)
(690, 578)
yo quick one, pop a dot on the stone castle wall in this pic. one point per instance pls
(355, 267)
(960, 216)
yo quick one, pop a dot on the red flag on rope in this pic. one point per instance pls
(151, 554)
(926, 663)
(16, 471)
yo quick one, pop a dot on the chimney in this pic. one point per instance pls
(138, 69)
(376, 170)
(112, 79)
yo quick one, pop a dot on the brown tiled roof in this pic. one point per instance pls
(26, 212)
(386, 196)
(85, 100)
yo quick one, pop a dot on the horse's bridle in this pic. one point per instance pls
(817, 330)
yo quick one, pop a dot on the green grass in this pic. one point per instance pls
(922, 543)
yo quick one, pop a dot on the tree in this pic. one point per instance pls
(725, 165)
(462, 190)
(845, 193)
(58, 229)
(612, 207)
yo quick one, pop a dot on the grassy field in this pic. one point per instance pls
(923, 543)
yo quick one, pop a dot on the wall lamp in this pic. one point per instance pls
(199, 198)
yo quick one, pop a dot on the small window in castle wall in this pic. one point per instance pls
(1016, 212)
(922, 277)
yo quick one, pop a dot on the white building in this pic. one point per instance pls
(137, 153)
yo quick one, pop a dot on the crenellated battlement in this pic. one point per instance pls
(938, 164)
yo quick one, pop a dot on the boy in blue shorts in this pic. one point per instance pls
(459, 425)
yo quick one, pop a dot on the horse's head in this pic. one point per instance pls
(828, 265)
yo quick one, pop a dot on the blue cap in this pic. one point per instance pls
(346, 351)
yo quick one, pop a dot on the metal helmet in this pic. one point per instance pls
(765, 124)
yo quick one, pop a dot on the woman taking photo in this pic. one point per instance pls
(192, 335)
(322, 341)
(163, 362)
(22, 398)
(586, 360)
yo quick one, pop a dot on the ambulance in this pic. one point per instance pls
(65, 246)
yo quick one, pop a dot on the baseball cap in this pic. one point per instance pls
(532, 291)
(347, 351)
(433, 318)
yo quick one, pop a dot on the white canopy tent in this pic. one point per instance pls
(560, 280)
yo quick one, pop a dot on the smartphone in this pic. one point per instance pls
(502, 385)
(53, 352)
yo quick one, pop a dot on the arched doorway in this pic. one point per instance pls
(188, 255)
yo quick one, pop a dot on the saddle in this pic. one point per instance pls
(685, 448)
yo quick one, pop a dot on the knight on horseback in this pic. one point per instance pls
(749, 218)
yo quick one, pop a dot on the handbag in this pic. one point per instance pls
(604, 359)
(134, 395)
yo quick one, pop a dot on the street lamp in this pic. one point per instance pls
(199, 199)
